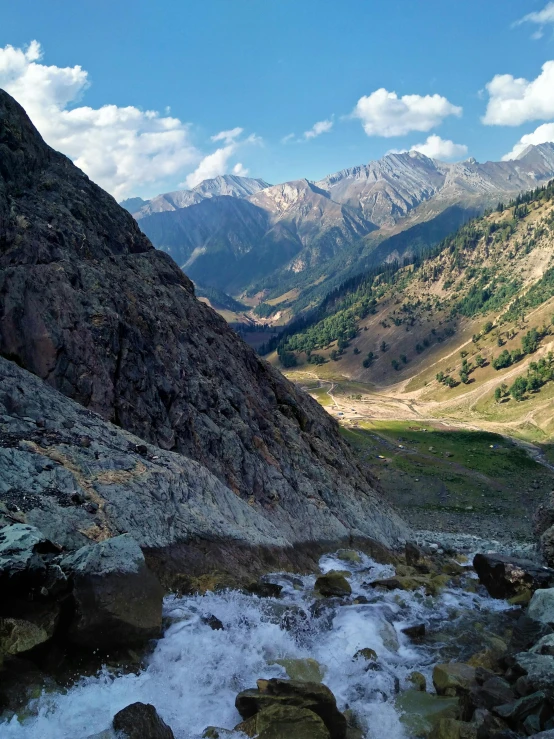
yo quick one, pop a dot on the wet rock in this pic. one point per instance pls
(413, 553)
(284, 722)
(332, 584)
(311, 696)
(213, 622)
(264, 589)
(216, 732)
(541, 607)
(415, 633)
(431, 584)
(418, 680)
(307, 670)
(506, 577)
(527, 632)
(548, 734)
(141, 721)
(117, 600)
(370, 655)
(420, 712)
(389, 636)
(37, 626)
(27, 568)
(349, 555)
(453, 678)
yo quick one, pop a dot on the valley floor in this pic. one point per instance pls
(444, 473)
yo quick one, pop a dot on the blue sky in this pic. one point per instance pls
(273, 69)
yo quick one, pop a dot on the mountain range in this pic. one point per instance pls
(246, 237)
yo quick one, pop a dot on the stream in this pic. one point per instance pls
(194, 673)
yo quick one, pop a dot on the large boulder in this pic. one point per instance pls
(284, 722)
(311, 696)
(506, 577)
(117, 599)
(141, 721)
(527, 632)
(420, 712)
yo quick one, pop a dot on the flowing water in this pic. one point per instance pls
(195, 672)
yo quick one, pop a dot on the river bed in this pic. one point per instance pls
(194, 672)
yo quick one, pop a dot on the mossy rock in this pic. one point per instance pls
(450, 728)
(284, 722)
(522, 598)
(332, 584)
(370, 655)
(420, 712)
(418, 680)
(349, 555)
(453, 568)
(453, 678)
(307, 670)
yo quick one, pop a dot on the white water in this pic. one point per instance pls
(194, 673)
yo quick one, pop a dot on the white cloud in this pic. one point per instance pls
(218, 162)
(540, 18)
(287, 138)
(318, 128)
(126, 150)
(542, 135)
(383, 113)
(437, 148)
(228, 136)
(513, 101)
(240, 170)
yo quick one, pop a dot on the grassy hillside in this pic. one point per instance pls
(463, 333)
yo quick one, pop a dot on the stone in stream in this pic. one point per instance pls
(415, 633)
(451, 728)
(413, 553)
(418, 680)
(370, 655)
(264, 589)
(284, 722)
(506, 577)
(544, 646)
(141, 721)
(349, 555)
(332, 584)
(420, 711)
(117, 599)
(213, 622)
(295, 693)
(307, 670)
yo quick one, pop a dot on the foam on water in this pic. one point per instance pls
(194, 673)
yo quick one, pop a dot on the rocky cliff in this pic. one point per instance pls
(90, 307)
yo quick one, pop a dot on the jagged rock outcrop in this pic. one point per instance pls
(89, 306)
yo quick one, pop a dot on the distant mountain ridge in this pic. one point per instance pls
(238, 234)
(229, 184)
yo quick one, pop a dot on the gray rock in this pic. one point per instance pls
(538, 672)
(527, 632)
(544, 646)
(117, 599)
(541, 606)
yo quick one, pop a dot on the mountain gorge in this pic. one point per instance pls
(309, 237)
(92, 309)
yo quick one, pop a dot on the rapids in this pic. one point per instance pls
(194, 672)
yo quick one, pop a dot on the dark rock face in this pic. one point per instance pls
(116, 598)
(141, 721)
(88, 305)
(506, 577)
